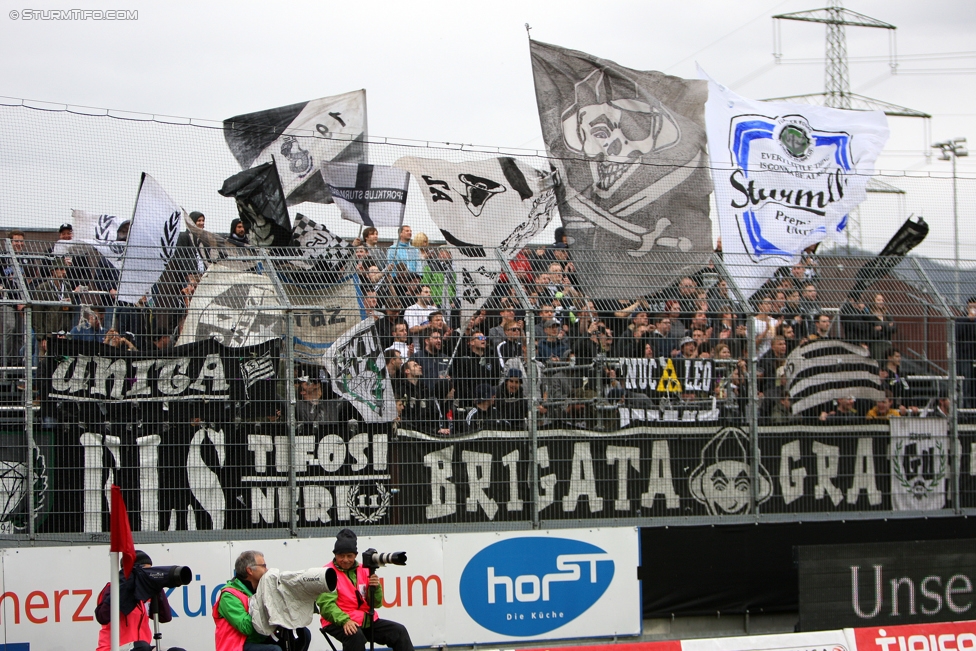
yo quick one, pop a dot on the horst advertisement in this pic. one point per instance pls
(455, 588)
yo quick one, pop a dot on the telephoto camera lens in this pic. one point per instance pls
(170, 576)
(373, 558)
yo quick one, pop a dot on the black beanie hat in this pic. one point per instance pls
(345, 542)
(142, 558)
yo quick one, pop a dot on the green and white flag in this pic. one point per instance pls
(358, 371)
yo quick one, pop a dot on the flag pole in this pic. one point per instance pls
(114, 597)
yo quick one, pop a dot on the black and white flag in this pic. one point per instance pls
(151, 242)
(100, 231)
(630, 149)
(919, 457)
(371, 195)
(828, 369)
(302, 137)
(320, 245)
(358, 371)
(480, 207)
(261, 205)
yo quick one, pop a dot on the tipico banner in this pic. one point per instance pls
(786, 176)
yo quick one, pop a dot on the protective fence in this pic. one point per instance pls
(276, 392)
(296, 374)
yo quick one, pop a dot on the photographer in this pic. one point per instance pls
(235, 632)
(134, 614)
(344, 612)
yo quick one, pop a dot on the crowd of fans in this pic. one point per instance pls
(452, 376)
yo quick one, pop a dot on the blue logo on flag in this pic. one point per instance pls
(530, 586)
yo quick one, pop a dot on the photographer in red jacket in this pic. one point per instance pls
(134, 615)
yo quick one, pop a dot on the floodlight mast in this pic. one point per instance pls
(951, 150)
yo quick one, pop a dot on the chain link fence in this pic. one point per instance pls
(262, 391)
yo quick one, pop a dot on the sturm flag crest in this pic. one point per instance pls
(630, 149)
(786, 177)
(301, 137)
(358, 371)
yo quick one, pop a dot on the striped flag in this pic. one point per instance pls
(827, 369)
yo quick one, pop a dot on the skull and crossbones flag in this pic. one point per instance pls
(630, 149)
(151, 242)
(261, 205)
(302, 138)
(480, 207)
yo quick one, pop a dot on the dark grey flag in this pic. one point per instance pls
(261, 205)
(630, 149)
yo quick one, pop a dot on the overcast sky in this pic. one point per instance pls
(460, 72)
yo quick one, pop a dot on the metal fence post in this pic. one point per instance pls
(28, 383)
(753, 381)
(533, 375)
(290, 398)
(29, 414)
(953, 384)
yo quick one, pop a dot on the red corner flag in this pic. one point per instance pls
(121, 534)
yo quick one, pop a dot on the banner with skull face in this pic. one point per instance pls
(481, 207)
(786, 177)
(630, 147)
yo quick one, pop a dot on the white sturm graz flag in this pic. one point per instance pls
(358, 371)
(630, 149)
(786, 177)
(828, 369)
(152, 240)
(919, 457)
(301, 138)
(480, 207)
(100, 231)
(371, 195)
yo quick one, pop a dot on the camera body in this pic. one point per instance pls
(373, 559)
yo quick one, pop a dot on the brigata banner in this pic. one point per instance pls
(584, 585)
(883, 584)
(676, 467)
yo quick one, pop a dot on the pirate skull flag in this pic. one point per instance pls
(302, 137)
(630, 148)
(786, 176)
(480, 207)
